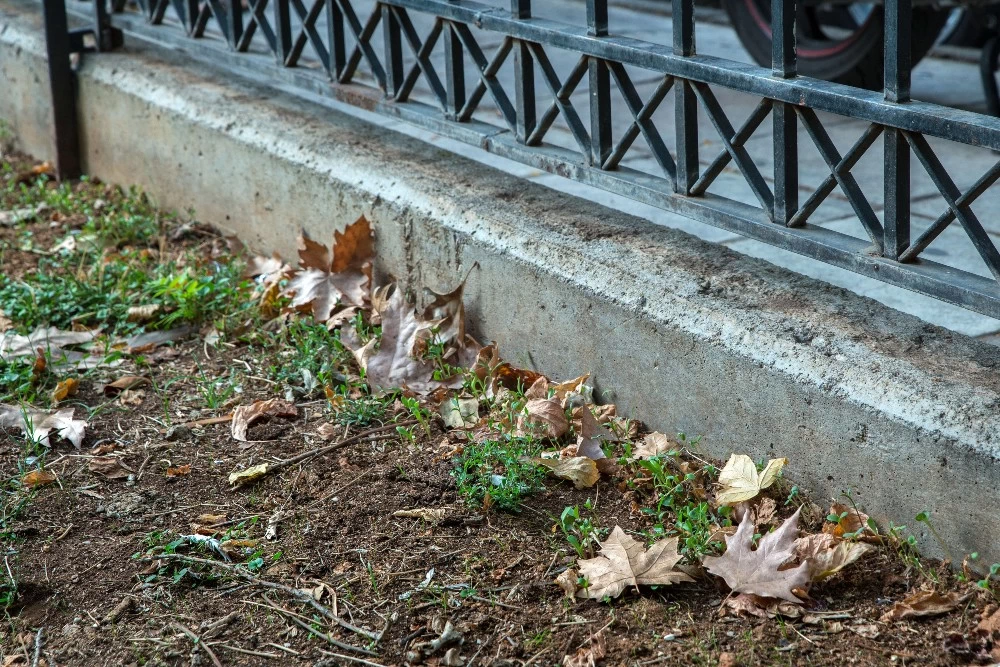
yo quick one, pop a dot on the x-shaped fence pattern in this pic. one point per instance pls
(397, 57)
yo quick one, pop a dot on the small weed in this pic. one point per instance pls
(217, 391)
(311, 357)
(582, 533)
(499, 472)
(363, 411)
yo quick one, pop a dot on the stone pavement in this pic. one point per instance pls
(943, 81)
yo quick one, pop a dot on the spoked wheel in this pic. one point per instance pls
(840, 43)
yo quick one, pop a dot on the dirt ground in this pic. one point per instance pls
(90, 558)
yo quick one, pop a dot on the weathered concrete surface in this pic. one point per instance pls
(679, 333)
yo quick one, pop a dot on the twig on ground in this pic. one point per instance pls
(271, 468)
(322, 635)
(38, 647)
(302, 596)
(246, 651)
(196, 640)
(350, 659)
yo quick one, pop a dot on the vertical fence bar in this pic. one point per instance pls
(335, 35)
(896, 236)
(785, 125)
(454, 69)
(62, 85)
(524, 76)
(282, 29)
(686, 109)
(235, 22)
(600, 87)
(392, 38)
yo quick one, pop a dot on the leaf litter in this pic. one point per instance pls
(794, 571)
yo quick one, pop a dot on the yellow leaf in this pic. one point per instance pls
(37, 478)
(64, 389)
(580, 470)
(249, 475)
(740, 480)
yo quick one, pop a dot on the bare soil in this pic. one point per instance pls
(77, 553)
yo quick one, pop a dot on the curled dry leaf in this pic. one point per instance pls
(654, 444)
(142, 314)
(851, 521)
(249, 475)
(756, 571)
(446, 314)
(747, 604)
(124, 383)
(740, 481)
(393, 366)
(567, 582)
(428, 514)
(544, 417)
(49, 339)
(624, 561)
(580, 470)
(826, 555)
(109, 466)
(40, 424)
(925, 603)
(340, 274)
(587, 656)
(460, 411)
(64, 389)
(592, 436)
(179, 471)
(326, 431)
(37, 478)
(245, 415)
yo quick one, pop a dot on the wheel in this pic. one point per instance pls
(840, 43)
(971, 26)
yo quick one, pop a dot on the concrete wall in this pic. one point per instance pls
(679, 333)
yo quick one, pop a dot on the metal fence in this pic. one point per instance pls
(448, 59)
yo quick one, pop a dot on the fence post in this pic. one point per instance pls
(785, 124)
(896, 235)
(686, 110)
(62, 83)
(524, 76)
(600, 87)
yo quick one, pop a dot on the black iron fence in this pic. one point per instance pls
(461, 76)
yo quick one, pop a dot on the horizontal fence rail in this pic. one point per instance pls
(372, 54)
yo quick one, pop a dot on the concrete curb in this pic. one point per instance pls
(679, 333)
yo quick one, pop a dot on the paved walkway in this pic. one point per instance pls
(937, 80)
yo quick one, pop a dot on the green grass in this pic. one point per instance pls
(309, 357)
(501, 469)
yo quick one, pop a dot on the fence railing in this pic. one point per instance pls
(380, 60)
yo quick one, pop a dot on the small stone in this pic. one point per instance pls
(177, 433)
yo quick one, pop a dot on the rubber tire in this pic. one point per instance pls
(857, 63)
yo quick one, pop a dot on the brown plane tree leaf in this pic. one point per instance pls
(826, 555)
(925, 603)
(654, 444)
(624, 561)
(108, 466)
(756, 571)
(50, 339)
(40, 424)
(853, 521)
(740, 480)
(393, 365)
(544, 417)
(340, 274)
(580, 470)
(245, 415)
(445, 318)
(37, 478)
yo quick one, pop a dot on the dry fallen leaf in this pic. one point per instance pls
(179, 470)
(654, 444)
(340, 274)
(445, 318)
(249, 475)
(624, 561)
(567, 582)
(747, 604)
(64, 389)
(460, 411)
(925, 603)
(37, 478)
(851, 522)
(393, 366)
(50, 339)
(756, 571)
(326, 431)
(428, 514)
(43, 423)
(740, 480)
(826, 555)
(580, 470)
(245, 415)
(109, 466)
(144, 313)
(587, 656)
(124, 383)
(543, 417)
(592, 436)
